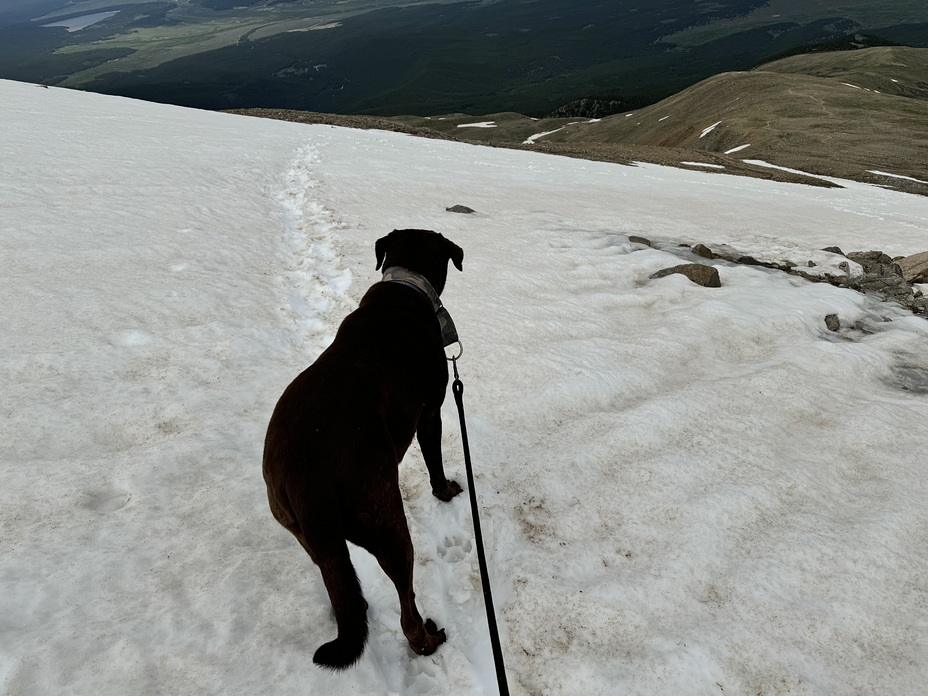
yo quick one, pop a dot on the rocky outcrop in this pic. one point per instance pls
(726, 253)
(707, 276)
(880, 273)
(884, 276)
(460, 209)
(864, 271)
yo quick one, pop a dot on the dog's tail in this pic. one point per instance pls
(350, 609)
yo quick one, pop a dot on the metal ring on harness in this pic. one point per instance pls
(455, 357)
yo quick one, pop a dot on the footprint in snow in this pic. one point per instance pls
(129, 338)
(105, 500)
(424, 675)
(455, 549)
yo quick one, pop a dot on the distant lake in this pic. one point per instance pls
(82, 22)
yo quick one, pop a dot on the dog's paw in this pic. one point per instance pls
(452, 488)
(433, 630)
(436, 636)
(427, 641)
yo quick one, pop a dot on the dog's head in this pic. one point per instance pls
(422, 251)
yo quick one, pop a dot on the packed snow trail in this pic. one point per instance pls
(683, 489)
(316, 292)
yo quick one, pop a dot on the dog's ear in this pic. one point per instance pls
(380, 249)
(456, 254)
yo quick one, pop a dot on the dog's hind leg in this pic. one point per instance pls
(341, 582)
(329, 552)
(391, 545)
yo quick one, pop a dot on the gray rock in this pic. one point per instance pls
(834, 250)
(707, 276)
(914, 268)
(639, 240)
(460, 209)
(831, 321)
(704, 251)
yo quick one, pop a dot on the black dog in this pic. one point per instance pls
(340, 429)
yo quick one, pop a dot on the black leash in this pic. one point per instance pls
(458, 389)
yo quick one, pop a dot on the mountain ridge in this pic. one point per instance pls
(801, 112)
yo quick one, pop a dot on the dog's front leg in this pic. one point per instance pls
(428, 433)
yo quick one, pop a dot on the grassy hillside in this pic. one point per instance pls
(890, 70)
(840, 114)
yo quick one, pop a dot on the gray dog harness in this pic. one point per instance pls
(403, 276)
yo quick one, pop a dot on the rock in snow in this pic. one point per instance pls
(707, 276)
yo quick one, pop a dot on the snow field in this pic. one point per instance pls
(139, 250)
(566, 380)
(684, 490)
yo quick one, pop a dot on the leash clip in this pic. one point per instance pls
(453, 358)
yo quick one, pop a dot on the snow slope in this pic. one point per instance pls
(685, 490)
